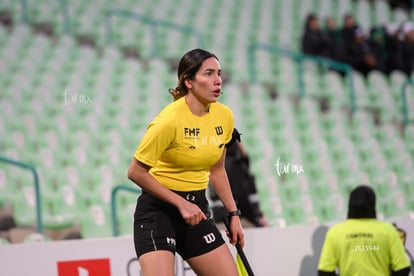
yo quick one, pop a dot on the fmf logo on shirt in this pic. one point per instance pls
(191, 131)
(92, 267)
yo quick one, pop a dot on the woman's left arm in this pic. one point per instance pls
(220, 182)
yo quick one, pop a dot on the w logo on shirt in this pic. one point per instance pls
(219, 130)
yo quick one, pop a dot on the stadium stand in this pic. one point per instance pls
(75, 108)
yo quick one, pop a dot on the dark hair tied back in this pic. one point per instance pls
(176, 93)
(188, 66)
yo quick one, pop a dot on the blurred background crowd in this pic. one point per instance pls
(384, 48)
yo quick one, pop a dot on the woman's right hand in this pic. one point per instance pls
(191, 213)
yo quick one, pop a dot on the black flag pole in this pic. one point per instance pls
(239, 249)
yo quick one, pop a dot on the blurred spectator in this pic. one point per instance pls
(385, 48)
(378, 44)
(403, 4)
(314, 41)
(356, 48)
(394, 47)
(348, 31)
(243, 187)
(407, 48)
(363, 245)
(334, 40)
(401, 48)
(359, 54)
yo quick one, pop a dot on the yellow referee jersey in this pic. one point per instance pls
(181, 148)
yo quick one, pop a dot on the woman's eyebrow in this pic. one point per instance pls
(212, 70)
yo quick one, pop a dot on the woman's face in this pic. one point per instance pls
(206, 84)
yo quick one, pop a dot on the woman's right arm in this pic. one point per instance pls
(139, 174)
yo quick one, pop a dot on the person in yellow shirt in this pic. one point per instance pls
(183, 149)
(363, 245)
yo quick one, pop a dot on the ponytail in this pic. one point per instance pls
(176, 93)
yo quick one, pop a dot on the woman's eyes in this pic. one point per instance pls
(209, 73)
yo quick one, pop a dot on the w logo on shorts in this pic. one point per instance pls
(209, 238)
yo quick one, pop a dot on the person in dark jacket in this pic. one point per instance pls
(378, 44)
(359, 54)
(243, 187)
(334, 40)
(401, 48)
(394, 47)
(314, 41)
(408, 48)
(348, 31)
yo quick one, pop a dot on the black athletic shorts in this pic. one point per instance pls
(160, 226)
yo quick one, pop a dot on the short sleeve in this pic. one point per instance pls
(327, 260)
(158, 137)
(229, 124)
(234, 137)
(399, 258)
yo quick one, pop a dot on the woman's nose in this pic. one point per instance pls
(218, 80)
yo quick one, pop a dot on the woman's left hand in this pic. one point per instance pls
(236, 231)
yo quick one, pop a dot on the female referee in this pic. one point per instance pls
(183, 148)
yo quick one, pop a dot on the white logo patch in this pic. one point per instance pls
(209, 238)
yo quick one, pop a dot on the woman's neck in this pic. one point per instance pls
(196, 107)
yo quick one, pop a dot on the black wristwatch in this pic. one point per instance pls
(234, 213)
